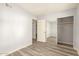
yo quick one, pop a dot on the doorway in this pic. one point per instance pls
(38, 30)
(65, 30)
(34, 30)
(41, 30)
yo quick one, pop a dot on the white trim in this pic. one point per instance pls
(77, 49)
(16, 50)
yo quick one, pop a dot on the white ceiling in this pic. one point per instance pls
(45, 8)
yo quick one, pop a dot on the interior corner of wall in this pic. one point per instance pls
(5, 54)
(77, 49)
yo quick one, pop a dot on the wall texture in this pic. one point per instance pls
(15, 28)
(51, 29)
(76, 30)
(48, 30)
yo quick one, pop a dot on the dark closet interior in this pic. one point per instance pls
(65, 30)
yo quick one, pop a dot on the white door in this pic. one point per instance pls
(41, 30)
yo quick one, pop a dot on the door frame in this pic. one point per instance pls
(36, 28)
(73, 30)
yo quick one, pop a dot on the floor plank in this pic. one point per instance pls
(49, 48)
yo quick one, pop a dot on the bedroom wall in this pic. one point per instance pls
(76, 30)
(15, 28)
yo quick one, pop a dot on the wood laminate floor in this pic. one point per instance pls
(48, 48)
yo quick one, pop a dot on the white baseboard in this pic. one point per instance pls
(16, 49)
(77, 49)
(41, 41)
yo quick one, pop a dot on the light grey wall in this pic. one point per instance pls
(76, 30)
(48, 29)
(15, 28)
(51, 29)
